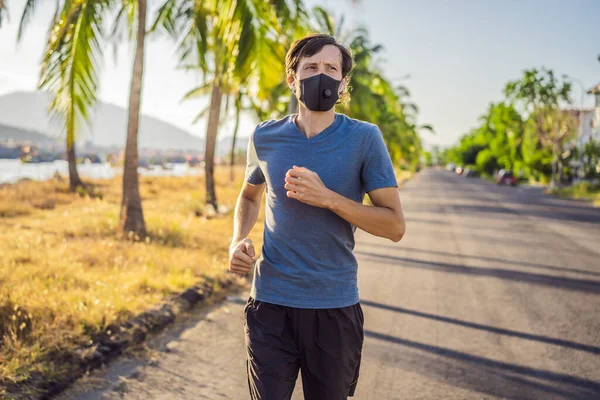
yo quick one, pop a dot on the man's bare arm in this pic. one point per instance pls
(246, 210)
(384, 218)
(241, 251)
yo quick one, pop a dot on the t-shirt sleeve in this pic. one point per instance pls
(377, 170)
(254, 175)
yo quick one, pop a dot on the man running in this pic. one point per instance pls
(304, 312)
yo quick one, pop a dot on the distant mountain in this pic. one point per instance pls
(224, 145)
(27, 112)
(10, 132)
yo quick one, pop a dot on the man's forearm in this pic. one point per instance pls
(378, 221)
(246, 214)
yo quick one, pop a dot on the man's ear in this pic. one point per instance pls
(290, 82)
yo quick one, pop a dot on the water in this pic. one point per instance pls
(12, 171)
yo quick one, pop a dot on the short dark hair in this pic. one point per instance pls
(310, 45)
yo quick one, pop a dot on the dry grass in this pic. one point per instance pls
(65, 275)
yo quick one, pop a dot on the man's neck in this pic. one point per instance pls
(312, 123)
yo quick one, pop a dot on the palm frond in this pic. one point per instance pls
(201, 115)
(324, 21)
(28, 11)
(411, 107)
(188, 25)
(282, 9)
(199, 91)
(117, 28)
(238, 43)
(166, 17)
(246, 40)
(71, 64)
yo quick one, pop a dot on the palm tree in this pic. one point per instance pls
(132, 215)
(234, 43)
(277, 101)
(70, 72)
(292, 23)
(68, 105)
(70, 67)
(236, 97)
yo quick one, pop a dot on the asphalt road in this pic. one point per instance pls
(494, 293)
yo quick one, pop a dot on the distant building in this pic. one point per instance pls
(587, 130)
(589, 118)
(596, 123)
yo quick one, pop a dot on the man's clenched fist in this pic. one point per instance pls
(306, 186)
(241, 257)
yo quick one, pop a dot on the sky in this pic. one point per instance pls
(454, 56)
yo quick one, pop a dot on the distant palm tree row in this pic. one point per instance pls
(238, 48)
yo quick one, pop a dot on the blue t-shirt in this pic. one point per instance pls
(307, 259)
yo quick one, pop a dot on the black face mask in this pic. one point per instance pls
(319, 92)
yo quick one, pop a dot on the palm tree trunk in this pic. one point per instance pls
(235, 132)
(211, 140)
(132, 216)
(74, 180)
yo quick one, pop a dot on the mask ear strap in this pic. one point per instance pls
(342, 86)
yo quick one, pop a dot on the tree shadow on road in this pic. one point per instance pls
(481, 374)
(537, 242)
(586, 215)
(529, 229)
(579, 285)
(487, 328)
(491, 259)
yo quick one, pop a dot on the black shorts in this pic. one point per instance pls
(324, 344)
